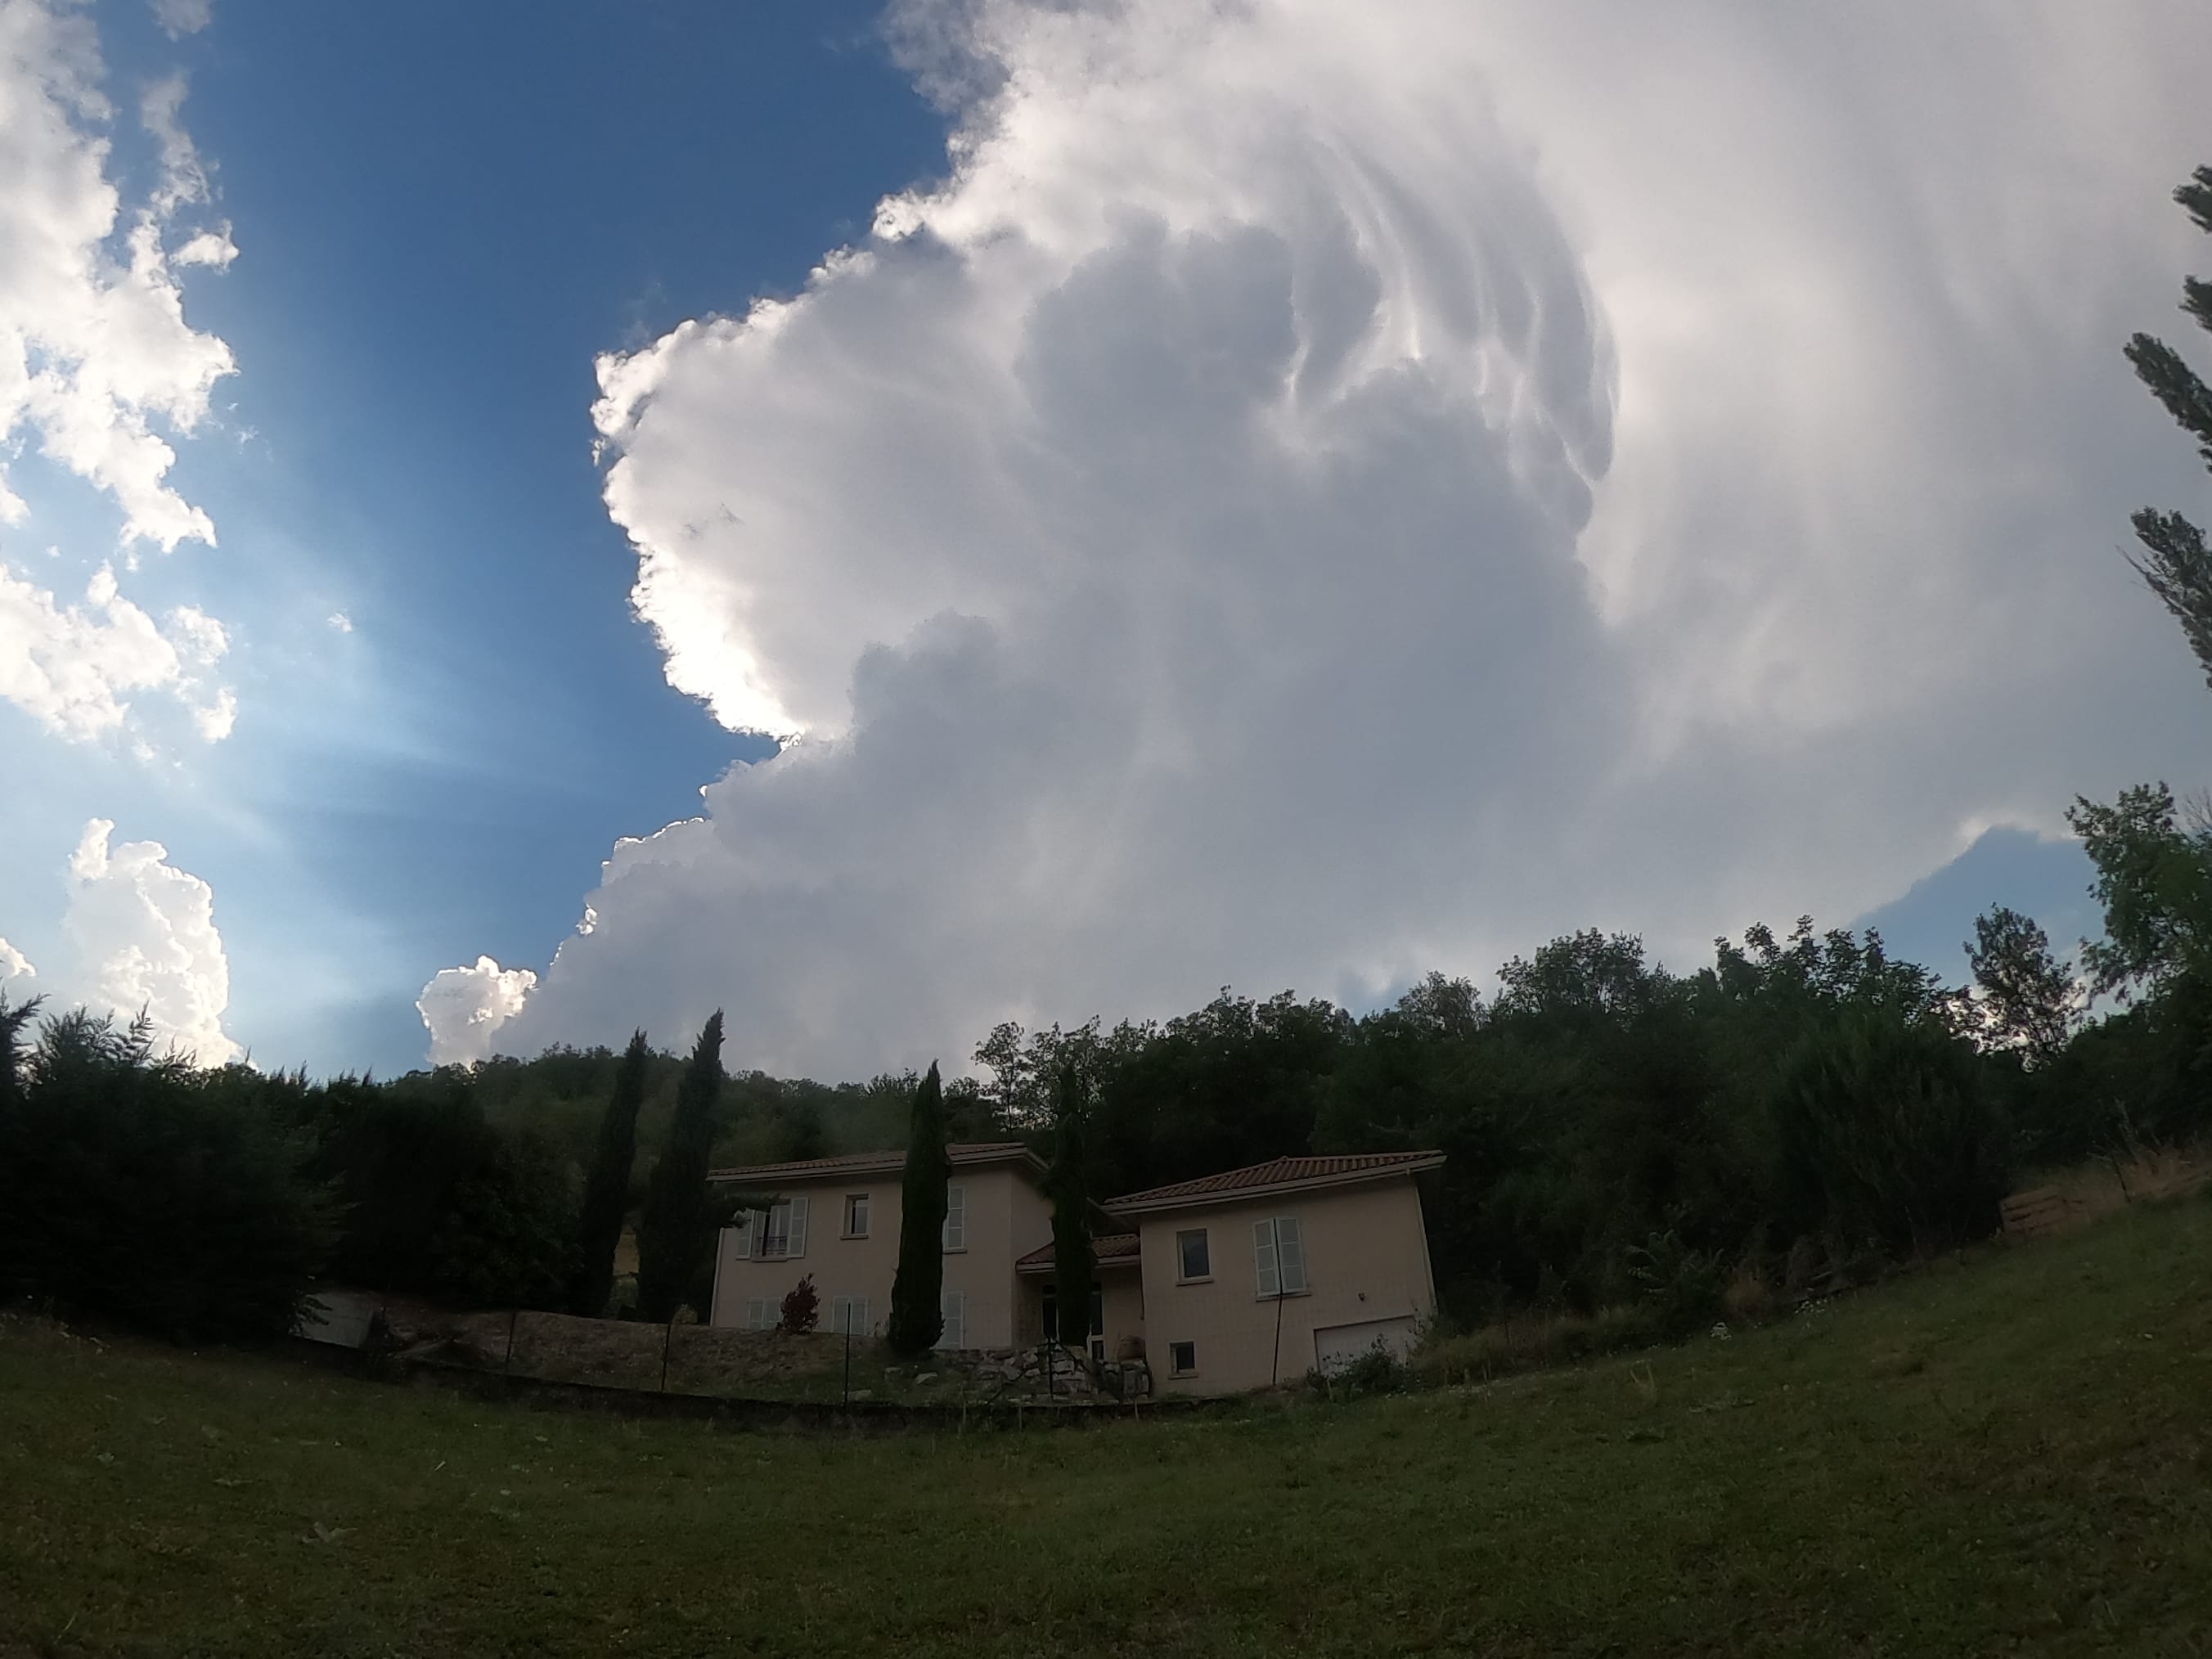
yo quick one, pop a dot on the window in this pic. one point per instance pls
(1052, 1312)
(1183, 1358)
(954, 1306)
(762, 1313)
(1279, 1256)
(776, 1234)
(856, 1215)
(848, 1316)
(955, 1217)
(1192, 1260)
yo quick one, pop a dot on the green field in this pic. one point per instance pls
(2009, 1456)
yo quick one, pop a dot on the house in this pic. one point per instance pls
(1228, 1282)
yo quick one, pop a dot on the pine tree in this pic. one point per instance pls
(2177, 564)
(606, 1191)
(1074, 1264)
(675, 1232)
(917, 1318)
(13, 1018)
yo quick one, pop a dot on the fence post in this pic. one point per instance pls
(514, 1317)
(848, 1359)
(668, 1337)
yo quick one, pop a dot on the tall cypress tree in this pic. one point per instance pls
(675, 1232)
(1074, 1263)
(2177, 564)
(917, 1289)
(606, 1191)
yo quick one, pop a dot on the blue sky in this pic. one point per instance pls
(450, 211)
(1223, 529)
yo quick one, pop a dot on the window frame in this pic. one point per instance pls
(952, 1309)
(1175, 1350)
(1268, 1258)
(952, 1241)
(861, 1204)
(1206, 1244)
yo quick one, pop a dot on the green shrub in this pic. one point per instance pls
(135, 1189)
(1888, 1138)
(507, 1238)
(1683, 1287)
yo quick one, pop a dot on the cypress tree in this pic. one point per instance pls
(917, 1289)
(606, 1191)
(2177, 564)
(675, 1232)
(1074, 1264)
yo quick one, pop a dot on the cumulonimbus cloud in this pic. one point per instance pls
(1325, 492)
(145, 941)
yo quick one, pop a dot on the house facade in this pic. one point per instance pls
(1229, 1282)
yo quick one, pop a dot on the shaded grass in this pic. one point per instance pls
(2008, 1457)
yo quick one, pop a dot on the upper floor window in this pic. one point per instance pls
(856, 1215)
(776, 1234)
(1279, 1256)
(1191, 1258)
(955, 1217)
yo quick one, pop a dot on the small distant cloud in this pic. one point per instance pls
(178, 18)
(213, 720)
(210, 247)
(464, 1007)
(341, 622)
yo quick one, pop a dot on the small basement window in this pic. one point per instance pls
(1183, 1358)
(1193, 1260)
(856, 1215)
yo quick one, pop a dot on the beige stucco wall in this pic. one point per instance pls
(1006, 1217)
(1366, 1260)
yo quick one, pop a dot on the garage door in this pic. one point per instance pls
(1336, 1346)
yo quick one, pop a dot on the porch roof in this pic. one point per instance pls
(1108, 1250)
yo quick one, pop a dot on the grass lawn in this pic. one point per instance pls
(2009, 1456)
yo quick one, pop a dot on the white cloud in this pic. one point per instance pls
(144, 937)
(464, 1007)
(340, 623)
(214, 718)
(1326, 492)
(76, 669)
(14, 964)
(94, 351)
(183, 17)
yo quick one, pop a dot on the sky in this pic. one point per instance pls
(522, 521)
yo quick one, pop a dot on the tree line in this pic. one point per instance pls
(1804, 1107)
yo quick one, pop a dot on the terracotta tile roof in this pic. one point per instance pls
(1106, 1247)
(959, 1153)
(1340, 1170)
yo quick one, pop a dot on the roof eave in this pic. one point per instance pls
(1137, 1204)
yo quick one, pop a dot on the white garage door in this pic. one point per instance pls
(1336, 1346)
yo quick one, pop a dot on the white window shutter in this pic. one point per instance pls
(1290, 1255)
(744, 1228)
(953, 1305)
(955, 1217)
(1263, 1259)
(799, 1226)
(859, 1316)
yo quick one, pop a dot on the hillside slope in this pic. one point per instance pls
(2005, 1456)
